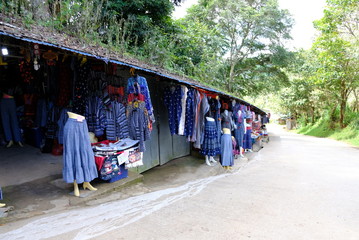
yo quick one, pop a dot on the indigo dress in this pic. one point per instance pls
(78, 156)
(210, 146)
(226, 150)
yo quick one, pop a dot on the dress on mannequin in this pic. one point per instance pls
(210, 146)
(247, 142)
(79, 161)
(9, 120)
(226, 148)
(239, 132)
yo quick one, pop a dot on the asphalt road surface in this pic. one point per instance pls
(297, 187)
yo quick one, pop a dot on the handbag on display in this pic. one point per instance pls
(110, 168)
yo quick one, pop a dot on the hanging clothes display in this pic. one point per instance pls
(203, 109)
(143, 89)
(117, 125)
(190, 112)
(210, 146)
(173, 101)
(81, 91)
(96, 116)
(138, 122)
(197, 101)
(182, 121)
(78, 157)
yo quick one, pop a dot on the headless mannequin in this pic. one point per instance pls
(227, 131)
(85, 184)
(210, 159)
(11, 142)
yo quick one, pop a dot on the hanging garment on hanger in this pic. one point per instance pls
(197, 101)
(173, 101)
(81, 91)
(190, 113)
(138, 122)
(202, 111)
(96, 116)
(117, 124)
(132, 87)
(182, 121)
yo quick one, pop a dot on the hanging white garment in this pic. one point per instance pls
(183, 113)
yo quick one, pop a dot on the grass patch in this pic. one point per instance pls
(321, 128)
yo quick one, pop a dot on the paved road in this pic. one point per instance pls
(297, 187)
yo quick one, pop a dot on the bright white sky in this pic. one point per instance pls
(304, 13)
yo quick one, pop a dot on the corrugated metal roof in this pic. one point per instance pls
(107, 60)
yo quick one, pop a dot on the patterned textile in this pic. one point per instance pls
(190, 113)
(210, 146)
(117, 124)
(95, 116)
(132, 97)
(173, 101)
(138, 123)
(81, 91)
(132, 87)
(110, 168)
(64, 96)
(134, 158)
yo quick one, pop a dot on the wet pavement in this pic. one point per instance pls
(296, 187)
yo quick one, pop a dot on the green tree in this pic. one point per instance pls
(337, 51)
(250, 29)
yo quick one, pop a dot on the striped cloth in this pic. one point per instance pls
(117, 124)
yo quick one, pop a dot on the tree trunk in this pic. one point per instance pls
(231, 77)
(313, 113)
(356, 102)
(343, 105)
(332, 116)
(343, 102)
